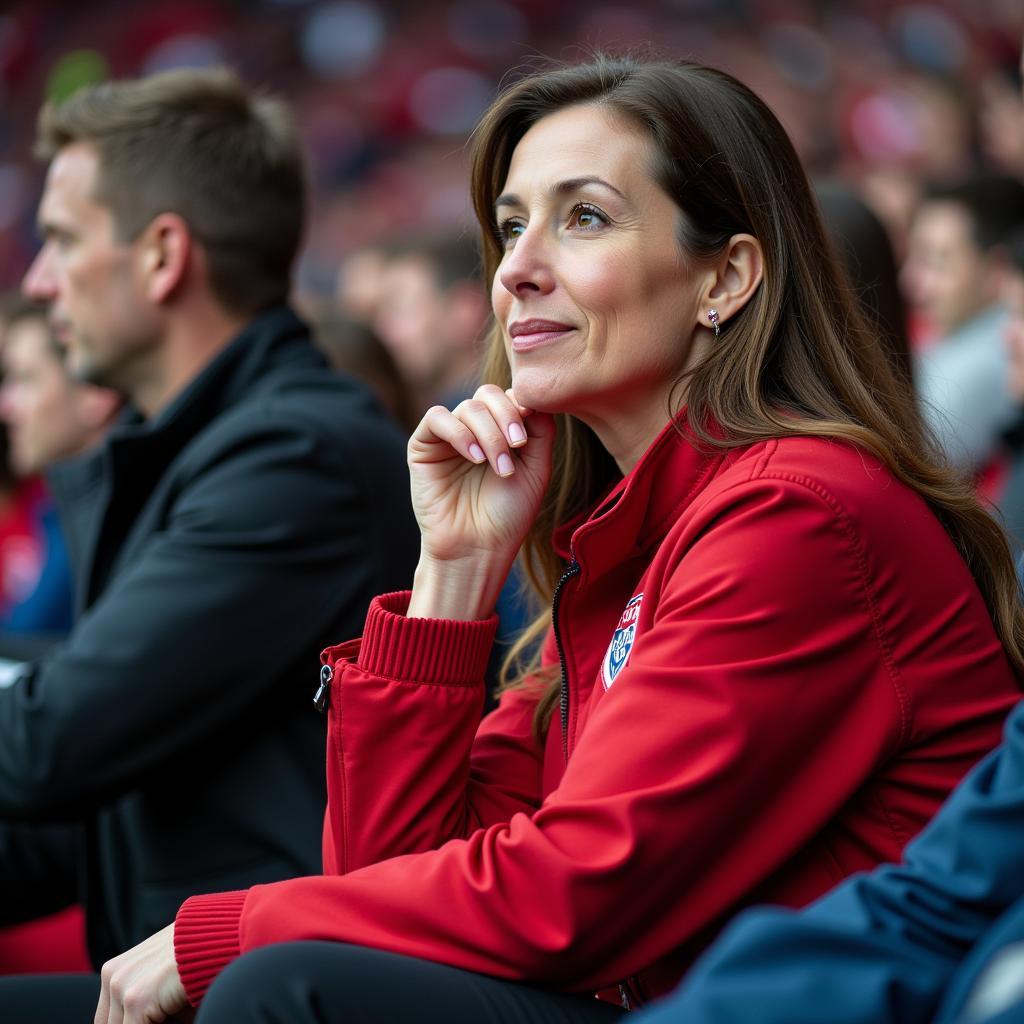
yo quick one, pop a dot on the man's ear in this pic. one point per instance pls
(737, 275)
(165, 249)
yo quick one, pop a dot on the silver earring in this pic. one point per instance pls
(713, 317)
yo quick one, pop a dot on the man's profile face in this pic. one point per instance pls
(38, 401)
(946, 275)
(86, 275)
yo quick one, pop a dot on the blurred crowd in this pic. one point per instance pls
(884, 93)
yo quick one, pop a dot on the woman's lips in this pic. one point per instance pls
(527, 334)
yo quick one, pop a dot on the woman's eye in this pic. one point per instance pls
(587, 217)
(509, 230)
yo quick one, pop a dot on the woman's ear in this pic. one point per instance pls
(739, 272)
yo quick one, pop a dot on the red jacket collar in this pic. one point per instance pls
(634, 516)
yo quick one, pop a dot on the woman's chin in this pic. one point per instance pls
(539, 395)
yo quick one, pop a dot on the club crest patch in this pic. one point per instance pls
(617, 655)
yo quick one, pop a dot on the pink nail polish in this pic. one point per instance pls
(516, 434)
(505, 467)
(476, 453)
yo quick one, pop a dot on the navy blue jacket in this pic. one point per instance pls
(904, 944)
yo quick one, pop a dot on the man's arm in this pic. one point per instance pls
(882, 947)
(270, 547)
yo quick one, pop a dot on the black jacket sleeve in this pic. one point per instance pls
(271, 541)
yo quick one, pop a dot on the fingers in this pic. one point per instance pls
(124, 998)
(110, 1009)
(485, 428)
(511, 395)
(102, 1015)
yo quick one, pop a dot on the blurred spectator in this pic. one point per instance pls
(49, 416)
(893, 194)
(1001, 119)
(1012, 500)
(866, 254)
(359, 286)
(431, 314)
(35, 578)
(352, 347)
(1013, 298)
(953, 274)
(943, 124)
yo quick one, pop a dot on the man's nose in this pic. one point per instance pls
(38, 283)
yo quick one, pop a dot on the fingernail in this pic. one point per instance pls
(505, 466)
(476, 453)
(516, 434)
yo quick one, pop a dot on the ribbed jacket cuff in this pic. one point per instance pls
(423, 650)
(206, 939)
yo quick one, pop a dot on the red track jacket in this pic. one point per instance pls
(777, 667)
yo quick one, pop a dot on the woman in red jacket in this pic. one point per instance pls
(781, 629)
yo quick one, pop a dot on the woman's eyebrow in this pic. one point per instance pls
(560, 188)
(575, 184)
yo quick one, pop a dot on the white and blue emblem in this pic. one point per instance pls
(617, 655)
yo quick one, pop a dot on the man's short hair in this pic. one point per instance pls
(994, 202)
(196, 143)
(452, 257)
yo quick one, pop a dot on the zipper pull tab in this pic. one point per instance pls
(322, 696)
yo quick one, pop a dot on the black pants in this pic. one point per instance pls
(331, 983)
(324, 983)
(49, 998)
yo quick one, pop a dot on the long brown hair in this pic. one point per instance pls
(796, 360)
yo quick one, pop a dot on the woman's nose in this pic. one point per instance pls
(529, 264)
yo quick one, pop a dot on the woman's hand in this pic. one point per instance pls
(478, 475)
(142, 986)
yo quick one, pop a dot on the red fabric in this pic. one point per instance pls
(22, 549)
(992, 478)
(217, 933)
(812, 669)
(54, 944)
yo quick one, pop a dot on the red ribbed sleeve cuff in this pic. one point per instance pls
(206, 939)
(423, 650)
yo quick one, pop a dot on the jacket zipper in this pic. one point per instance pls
(322, 697)
(572, 569)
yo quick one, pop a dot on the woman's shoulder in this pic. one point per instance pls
(846, 483)
(847, 472)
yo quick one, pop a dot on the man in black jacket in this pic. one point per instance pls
(238, 518)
